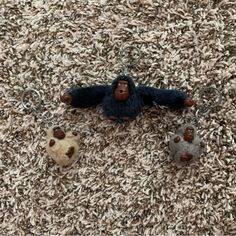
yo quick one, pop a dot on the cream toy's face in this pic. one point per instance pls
(62, 147)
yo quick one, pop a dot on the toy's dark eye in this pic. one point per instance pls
(52, 142)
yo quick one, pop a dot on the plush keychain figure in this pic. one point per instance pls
(62, 147)
(186, 146)
(122, 100)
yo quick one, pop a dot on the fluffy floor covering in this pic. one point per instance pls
(124, 182)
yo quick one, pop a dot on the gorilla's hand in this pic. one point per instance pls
(66, 98)
(189, 103)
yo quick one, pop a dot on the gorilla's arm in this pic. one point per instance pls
(173, 99)
(85, 97)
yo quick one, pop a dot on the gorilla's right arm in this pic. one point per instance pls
(174, 99)
(85, 97)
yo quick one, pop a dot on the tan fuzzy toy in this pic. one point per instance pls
(62, 146)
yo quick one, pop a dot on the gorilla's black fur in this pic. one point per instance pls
(119, 109)
(138, 97)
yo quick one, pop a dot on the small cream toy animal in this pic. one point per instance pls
(62, 146)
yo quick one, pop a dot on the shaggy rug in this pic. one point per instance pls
(124, 182)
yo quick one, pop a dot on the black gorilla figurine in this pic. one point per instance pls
(122, 100)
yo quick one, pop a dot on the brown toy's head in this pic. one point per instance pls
(122, 91)
(189, 134)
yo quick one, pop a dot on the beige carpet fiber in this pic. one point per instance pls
(124, 182)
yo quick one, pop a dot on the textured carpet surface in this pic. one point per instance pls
(124, 182)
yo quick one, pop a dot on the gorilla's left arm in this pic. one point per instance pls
(85, 97)
(171, 98)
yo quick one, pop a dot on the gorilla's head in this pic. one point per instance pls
(123, 87)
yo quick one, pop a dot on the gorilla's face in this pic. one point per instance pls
(122, 91)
